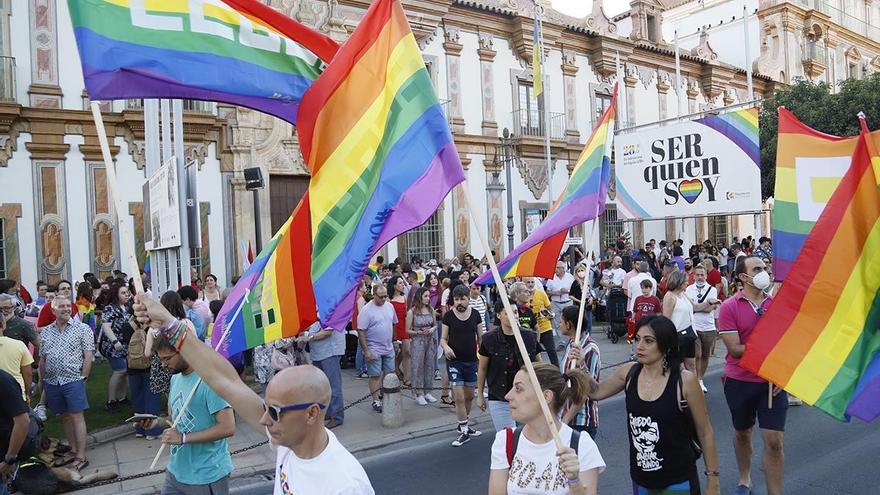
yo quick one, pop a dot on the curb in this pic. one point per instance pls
(108, 435)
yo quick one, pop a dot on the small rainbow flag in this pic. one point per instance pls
(380, 151)
(582, 199)
(281, 302)
(234, 51)
(820, 339)
(809, 166)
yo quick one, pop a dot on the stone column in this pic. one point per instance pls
(452, 47)
(569, 71)
(495, 208)
(630, 80)
(662, 90)
(10, 213)
(693, 91)
(486, 52)
(44, 90)
(461, 227)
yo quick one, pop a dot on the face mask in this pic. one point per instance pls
(700, 285)
(761, 281)
(272, 446)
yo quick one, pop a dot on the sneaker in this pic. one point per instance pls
(362, 374)
(40, 411)
(462, 439)
(794, 401)
(742, 490)
(473, 433)
(151, 437)
(703, 386)
(421, 400)
(377, 406)
(437, 375)
(430, 398)
(139, 435)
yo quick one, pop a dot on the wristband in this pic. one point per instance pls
(171, 326)
(572, 481)
(183, 438)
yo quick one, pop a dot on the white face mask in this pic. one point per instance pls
(272, 446)
(761, 281)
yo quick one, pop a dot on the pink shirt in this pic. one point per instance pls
(737, 314)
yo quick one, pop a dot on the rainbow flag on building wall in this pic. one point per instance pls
(380, 152)
(281, 302)
(234, 51)
(809, 166)
(820, 340)
(582, 199)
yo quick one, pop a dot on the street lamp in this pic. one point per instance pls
(253, 181)
(505, 150)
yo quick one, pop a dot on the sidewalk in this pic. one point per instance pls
(361, 432)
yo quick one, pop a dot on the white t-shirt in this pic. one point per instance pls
(333, 472)
(703, 322)
(535, 466)
(634, 288)
(617, 275)
(557, 283)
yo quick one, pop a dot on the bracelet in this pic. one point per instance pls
(572, 481)
(711, 473)
(171, 325)
(183, 438)
(181, 337)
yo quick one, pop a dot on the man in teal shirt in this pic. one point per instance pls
(200, 461)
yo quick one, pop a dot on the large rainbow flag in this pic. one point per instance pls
(582, 199)
(809, 166)
(235, 51)
(380, 151)
(821, 337)
(281, 302)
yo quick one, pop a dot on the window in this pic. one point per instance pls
(195, 263)
(611, 227)
(3, 268)
(603, 101)
(652, 28)
(529, 113)
(853, 70)
(719, 232)
(426, 240)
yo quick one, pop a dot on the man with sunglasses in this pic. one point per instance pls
(745, 391)
(200, 462)
(309, 457)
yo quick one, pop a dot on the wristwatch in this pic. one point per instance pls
(10, 459)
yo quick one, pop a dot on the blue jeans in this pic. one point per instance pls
(144, 401)
(360, 365)
(4, 489)
(330, 367)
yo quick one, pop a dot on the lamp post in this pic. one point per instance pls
(507, 156)
(253, 181)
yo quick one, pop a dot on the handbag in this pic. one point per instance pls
(686, 336)
(281, 360)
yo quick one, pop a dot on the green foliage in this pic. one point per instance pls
(815, 105)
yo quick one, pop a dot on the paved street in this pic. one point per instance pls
(822, 456)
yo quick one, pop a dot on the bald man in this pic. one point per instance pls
(309, 457)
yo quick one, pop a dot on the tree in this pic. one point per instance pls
(817, 107)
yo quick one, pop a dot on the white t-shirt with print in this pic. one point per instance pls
(535, 466)
(333, 472)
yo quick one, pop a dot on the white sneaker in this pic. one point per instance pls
(430, 398)
(40, 411)
(473, 433)
(421, 400)
(702, 386)
(794, 401)
(462, 439)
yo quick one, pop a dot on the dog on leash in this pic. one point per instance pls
(36, 476)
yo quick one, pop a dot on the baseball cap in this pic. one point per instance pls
(432, 262)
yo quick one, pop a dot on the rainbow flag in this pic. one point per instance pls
(820, 339)
(234, 51)
(809, 166)
(380, 152)
(582, 199)
(281, 302)
(87, 312)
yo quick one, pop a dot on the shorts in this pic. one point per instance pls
(174, 487)
(688, 350)
(462, 373)
(384, 363)
(67, 398)
(118, 363)
(706, 342)
(747, 400)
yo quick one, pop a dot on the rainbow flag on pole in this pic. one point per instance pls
(281, 302)
(820, 340)
(234, 51)
(582, 199)
(380, 151)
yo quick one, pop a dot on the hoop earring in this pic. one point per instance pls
(665, 365)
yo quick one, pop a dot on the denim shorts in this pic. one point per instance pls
(67, 398)
(118, 363)
(462, 373)
(382, 363)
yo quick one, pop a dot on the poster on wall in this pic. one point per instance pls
(705, 166)
(164, 209)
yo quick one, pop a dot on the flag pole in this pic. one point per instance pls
(539, 9)
(199, 380)
(502, 293)
(126, 240)
(585, 286)
(678, 90)
(748, 55)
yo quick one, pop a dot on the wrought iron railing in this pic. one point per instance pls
(531, 123)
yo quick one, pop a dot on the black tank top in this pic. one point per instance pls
(660, 452)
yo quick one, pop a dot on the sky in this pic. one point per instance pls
(580, 8)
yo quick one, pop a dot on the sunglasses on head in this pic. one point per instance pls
(276, 411)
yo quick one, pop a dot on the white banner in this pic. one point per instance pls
(164, 207)
(705, 166)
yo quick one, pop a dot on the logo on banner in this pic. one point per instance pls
(680, 168)
(630, 150)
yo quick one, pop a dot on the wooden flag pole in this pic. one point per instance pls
(502, 293)
(192, 392)
(126, 240)
(585, 286)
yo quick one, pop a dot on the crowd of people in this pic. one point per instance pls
(428, 322)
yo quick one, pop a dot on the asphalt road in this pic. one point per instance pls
(823, 456)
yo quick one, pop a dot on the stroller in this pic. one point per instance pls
(616, 314)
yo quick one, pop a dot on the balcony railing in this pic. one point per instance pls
(815, 52)
(531, 123)
(196, 106)
(7, 78)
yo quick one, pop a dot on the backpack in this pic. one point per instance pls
(137, 345)
(513, 441)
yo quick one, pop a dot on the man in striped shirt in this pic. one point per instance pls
(583, 416)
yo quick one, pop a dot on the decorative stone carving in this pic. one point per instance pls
(599, 22)
(646, 75)
(9, 141)
(646, 17)
(534, 173)
(771, 60)
(452, 39)
(703, 50)
(486, 41)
